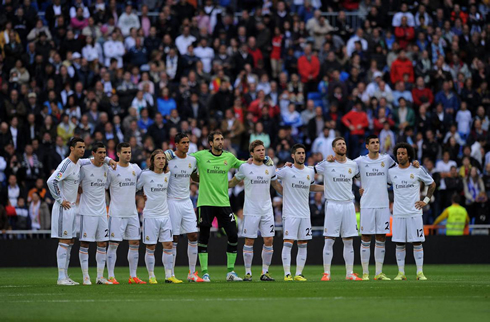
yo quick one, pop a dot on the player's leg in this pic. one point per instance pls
(250, 231)
(267, 229)
(117, 226)
(133, 235)
(168, 261)
(188, 225)
(304, 234)
(400, 238)
(88, 228)
(101, 237)
(166, 238)
(331, 230)
(150, 263)
(415, 235)
(289, 235)
(83, 257)
(226, 220)
(62, 223)
(348, 231)
(206, 218)
(367, 230)
(382, 228)
(176, 219)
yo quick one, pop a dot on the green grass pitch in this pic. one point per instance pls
(453, 293)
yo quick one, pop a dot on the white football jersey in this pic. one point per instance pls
(122, 186)
(93, 181)
(374, 180)
(296, 191)
(64, 181)
(155, 188)
(337, 179)
(406, 186)
(257, 180)
(181, 170)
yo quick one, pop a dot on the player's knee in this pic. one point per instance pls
(176, 238)
(381, 238)
(250, 241)
(102, 244)
(134, 242)
(204, 235)
(268, 241)
(233, 238)
(367, 238)
(84, 244)
(191, 237)
(166, 245)
(151, 247)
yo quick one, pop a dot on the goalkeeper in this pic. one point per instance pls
(213, 201)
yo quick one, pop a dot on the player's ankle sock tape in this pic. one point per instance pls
(101, 250)
(366, 244)
(268, 248)
(232, 247)
(150, 251)
(85, 249)
(380, 244)
(400, 248)
(134, 247)
(113, 245)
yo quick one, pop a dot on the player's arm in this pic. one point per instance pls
(195, 176)
(233, 182)
(140, 182)
(430, 191)
(443, 216)
(277, 186)
(54, 187)
(239, 176)
(316, 188)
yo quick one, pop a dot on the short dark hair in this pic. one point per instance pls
(213, 134)
(408, 147)
(255, 144)
(371, 137)
(122, 145)
(180, 136)
(296, 147)
(73, 142)
(97, 145)
(338, 138)
(456, 198)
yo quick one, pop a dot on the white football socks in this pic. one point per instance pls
(150, 262)
(327, 254)
(192, 255)
(379, 256)
(83, 256)
(168, 262)
(248, 255)
(61, 255)
(174, 254)
(267, 252)
(365, 256)
(349, 256)
(418, 254)
(286, 257)
(400, 258)
(301, 258)
(100, 258)
(133, 257)
(111, 259)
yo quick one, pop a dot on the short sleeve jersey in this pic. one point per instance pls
(257, 180)
(122, 186)
(374, 180)
(406, 187)
(180, 170)
(64, 181)
(337, 179)
(213, 177)
(155, 187)
(93, 182)
(296, 191)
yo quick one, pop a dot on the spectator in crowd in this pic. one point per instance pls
(474, 192)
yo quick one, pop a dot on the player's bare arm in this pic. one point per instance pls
(277, 186)
(316, 188)
(430, 191)
(233, 182)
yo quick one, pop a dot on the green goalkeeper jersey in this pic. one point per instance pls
(213, 177)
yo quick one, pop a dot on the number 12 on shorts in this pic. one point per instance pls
(420, 232)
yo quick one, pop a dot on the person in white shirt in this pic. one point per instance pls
(257, 210)
(205, 54)
(128, 20)
(157, 226)
(340, 214)
(297, 182)
(464, 121)
(93, 212)
(63, 185)
(183, 41)
(323, 143)
(359, 36)
(123, 215)
(408, 226)
(114, 48)
(182, 214)
(397, 18)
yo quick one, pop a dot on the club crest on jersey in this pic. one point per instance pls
(105, 174)
(411, 176)
(266, 171)
(134, 173)
(350, 170)
(383, 164)
(59, 175)
(225, 162)
(165, 179)
(190, 166)
(308, 177)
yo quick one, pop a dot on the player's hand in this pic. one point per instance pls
(330, 158)
(145, 197)
(169, 155)
(420, 204)
(66, 205)
(361, 191)
(250, 160)
(113, 164)
(268, 161)
(80, 189)
(288, 164)
(416, 164)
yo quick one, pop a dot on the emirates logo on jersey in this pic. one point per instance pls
(350, 170)
(411, 176)
(190, 166)
(383, 164)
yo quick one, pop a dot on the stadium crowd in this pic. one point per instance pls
(278, 71)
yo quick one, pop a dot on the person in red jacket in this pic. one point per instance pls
(402, 65)
(308, 69)
(422, 95)
(404, 33)
(357, 121)
(255, 52)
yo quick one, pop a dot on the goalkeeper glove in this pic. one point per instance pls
(169, 155)
(268, 161)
